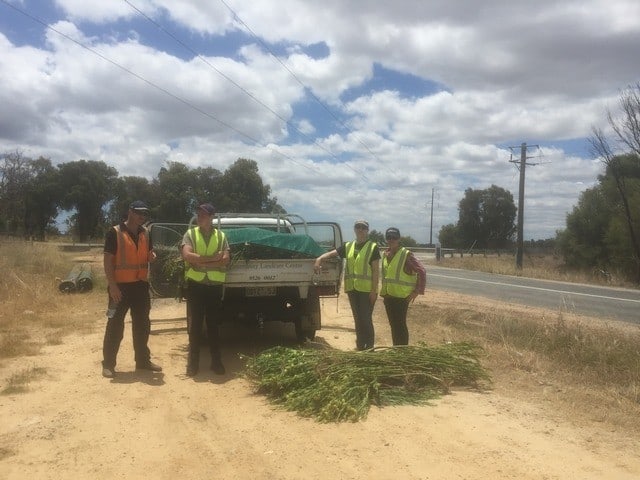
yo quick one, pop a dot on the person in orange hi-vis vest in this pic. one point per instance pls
(127, 253)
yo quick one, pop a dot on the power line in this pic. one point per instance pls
(307, 89)
(157, 87)
(253, 97)
(226, 77)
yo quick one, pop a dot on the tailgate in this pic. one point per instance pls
(298, 272)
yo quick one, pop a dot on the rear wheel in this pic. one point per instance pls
(303, 331)
(309, 322)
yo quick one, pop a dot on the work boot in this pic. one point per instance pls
(192, 370)
(217, 366)
(149, 365)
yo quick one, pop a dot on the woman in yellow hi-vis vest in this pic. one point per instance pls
(403, 279)
(360, 280)
(206, 253)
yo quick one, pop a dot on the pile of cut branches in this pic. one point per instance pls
(335, 386)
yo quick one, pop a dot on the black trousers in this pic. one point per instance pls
(397, 314)
(205, 306)
(362, 315)
(135, 298)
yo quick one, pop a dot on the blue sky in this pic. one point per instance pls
(352, 109)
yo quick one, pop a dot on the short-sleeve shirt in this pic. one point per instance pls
(375, 253)
(111, 238)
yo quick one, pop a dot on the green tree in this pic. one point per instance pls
(178, 190)
(626, 128)
(242, 190)
(486, 218)
(14, 176)
(377, 237)
(126, 190)
(597, 232)
(208, 186)
(449, 236)
(29, 194)
(42, 196)
(582, 243)
(88, 185)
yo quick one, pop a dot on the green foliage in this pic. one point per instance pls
(449, 236)
(29, 195)
(242, 190)
(178, 200)
(43, 193)
(486, 220)
(377, 237)
(88, 185)
(598, 229)
(337, 386)
(239, 189)
(126, 190)
(33, 191)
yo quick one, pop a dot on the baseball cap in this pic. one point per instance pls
(139, 206)
(208, 208)
(392, 232)
(362, 223)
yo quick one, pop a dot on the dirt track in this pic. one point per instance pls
(75, 424)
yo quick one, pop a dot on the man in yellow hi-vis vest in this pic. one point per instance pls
(361, 274)
(127, 253)
(205, 251)
(403, 279)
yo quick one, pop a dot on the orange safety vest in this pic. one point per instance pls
(132, 261)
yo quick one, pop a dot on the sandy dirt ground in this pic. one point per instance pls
(74, 424)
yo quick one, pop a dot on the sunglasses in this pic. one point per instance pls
(393, 238)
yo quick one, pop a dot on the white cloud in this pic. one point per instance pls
(511, 72)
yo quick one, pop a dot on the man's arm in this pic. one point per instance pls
(217, 260)
(413, 265)
(109, 263)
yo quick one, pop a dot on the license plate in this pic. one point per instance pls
(260, 292)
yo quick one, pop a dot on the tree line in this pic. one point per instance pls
(601, 231)
(33, 192)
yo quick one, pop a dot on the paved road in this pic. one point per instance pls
(594, 301)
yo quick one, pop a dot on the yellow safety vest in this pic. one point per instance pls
(216, 244)
(358, 274)
(132, 261)
(395, 282)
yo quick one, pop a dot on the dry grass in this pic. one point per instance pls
(548, 267)
(19, 382)
(588, 368)
(33, 312)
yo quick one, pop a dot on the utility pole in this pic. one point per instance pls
(519, 239)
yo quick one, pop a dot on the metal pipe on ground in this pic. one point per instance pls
(79, 279)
